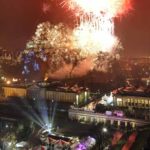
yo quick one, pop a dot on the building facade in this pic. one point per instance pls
(91, 117)
(14, 91)
(132, 101)
(36, 92)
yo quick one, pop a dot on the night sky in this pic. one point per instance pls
(19, 18)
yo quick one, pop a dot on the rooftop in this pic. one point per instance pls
(52, 86)
(133, 91)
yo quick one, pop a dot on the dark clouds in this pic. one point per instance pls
(18, 20)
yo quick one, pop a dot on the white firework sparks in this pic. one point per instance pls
(95, 28)
(96, 34)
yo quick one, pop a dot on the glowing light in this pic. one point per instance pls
(14, 80)
(46, 77)
(47, 128)
(104, 130)
(3, 78)
(9, 143)
(8, 82)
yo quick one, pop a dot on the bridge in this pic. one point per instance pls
(89, 116)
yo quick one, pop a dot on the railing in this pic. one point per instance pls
(103, 116)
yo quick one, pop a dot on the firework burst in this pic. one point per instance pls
(92, 37)
(94, 31)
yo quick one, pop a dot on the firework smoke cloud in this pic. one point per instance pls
(93, 37)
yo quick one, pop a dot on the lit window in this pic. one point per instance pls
(119, 100)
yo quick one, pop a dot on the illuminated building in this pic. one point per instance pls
(130, 97)
(132, 101)
(14, 91)
(37, 92)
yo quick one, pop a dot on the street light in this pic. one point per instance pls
(8, 82)
(102, 137)
(104, 129)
